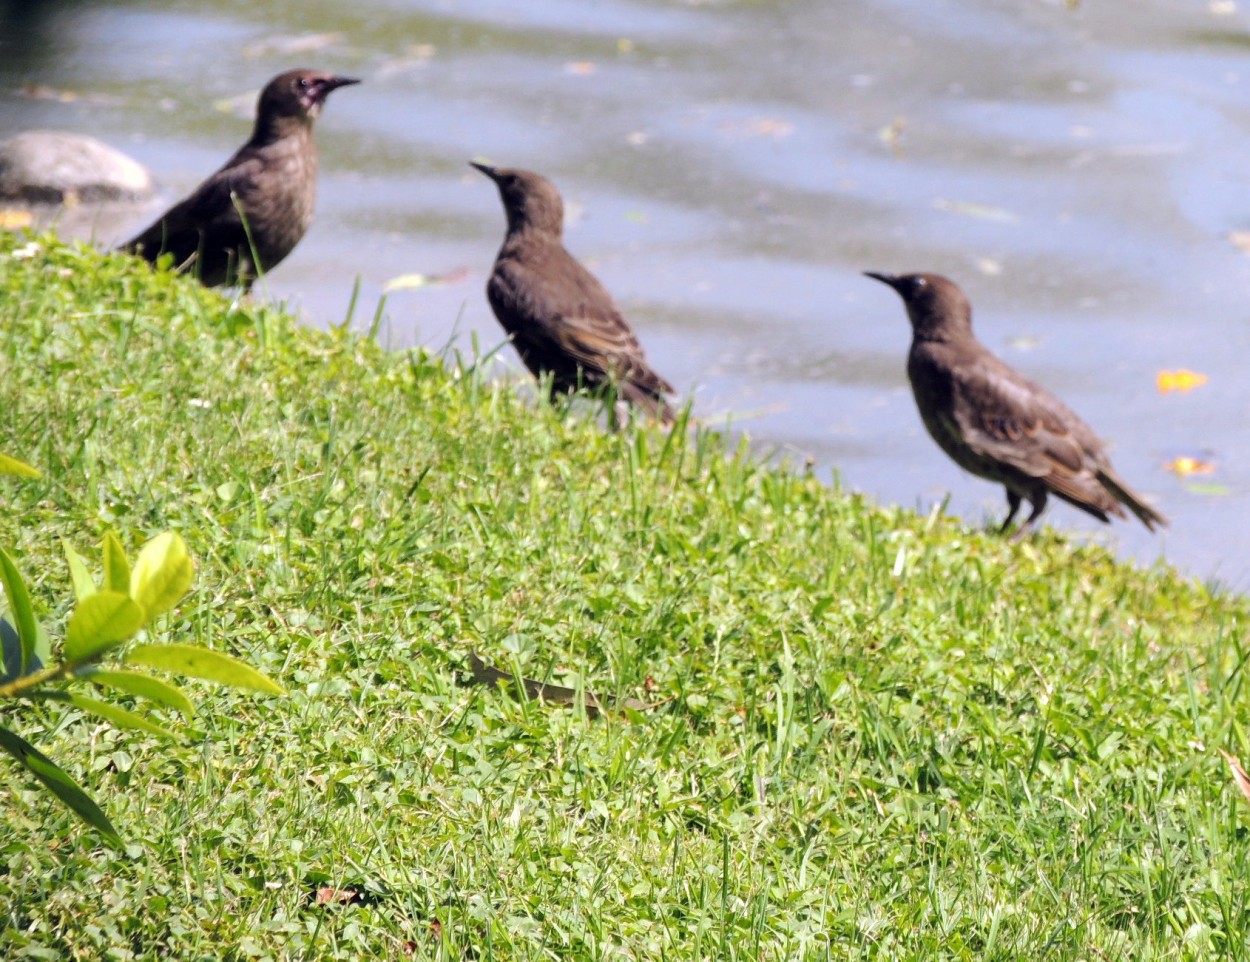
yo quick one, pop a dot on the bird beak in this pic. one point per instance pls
(890, 279)
(333, 83)
(486, 169)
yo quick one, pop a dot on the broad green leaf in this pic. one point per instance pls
(84, 584)
(116, 567)
(119, 716)
(57, 782)
(145, 686)
(19, 604)
(162, 574)
(10, 465)
(202, 663)
(99, 622)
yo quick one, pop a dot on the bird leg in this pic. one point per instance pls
(1039, 505)
(1013, 505)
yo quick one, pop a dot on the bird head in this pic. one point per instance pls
(530, 200)
(936, 306)
(298, 94)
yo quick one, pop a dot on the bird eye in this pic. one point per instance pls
(304, 81)
(921, 282)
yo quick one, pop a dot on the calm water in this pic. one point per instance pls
(730, 168)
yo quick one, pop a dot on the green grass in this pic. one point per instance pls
(877, 735)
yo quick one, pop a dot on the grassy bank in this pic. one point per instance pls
(873, 735)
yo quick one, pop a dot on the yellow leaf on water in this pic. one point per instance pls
(14, 219)
(1181, 380)
(1185, 466)
(892, 134)
(411, 282)
(406, 282)
(759, 127)
(973, 209)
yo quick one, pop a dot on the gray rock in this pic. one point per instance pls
(54, 166)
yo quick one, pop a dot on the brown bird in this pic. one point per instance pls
(995, 422)
(562, 321)
(249, 215)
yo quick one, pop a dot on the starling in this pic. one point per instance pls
(562, 321)
(260, 202)
(995, 422)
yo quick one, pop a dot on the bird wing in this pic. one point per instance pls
(603, 342)
(209, 209)
(1005, 416)
(568, 310)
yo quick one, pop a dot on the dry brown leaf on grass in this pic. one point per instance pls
(484, 674)
(1240, 778)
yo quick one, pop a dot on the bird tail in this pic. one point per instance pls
(1131, 500)
(653, 404)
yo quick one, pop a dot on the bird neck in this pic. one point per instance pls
(521, 227)
(941, 329)
(269, 130)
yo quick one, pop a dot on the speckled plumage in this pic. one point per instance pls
(562, 321)
(269, 185)
(996, 423)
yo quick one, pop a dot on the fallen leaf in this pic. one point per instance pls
(1181, 380)
(484, 674)
(760, 127)
(412, 282)
(332, 896)
(1210, 490)
(14, 219)
(979, 211)
(1240, 778)
(1240, 239)
(580, 68)
(892, 134)
(1186, 465)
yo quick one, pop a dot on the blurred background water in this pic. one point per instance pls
(729, 168)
